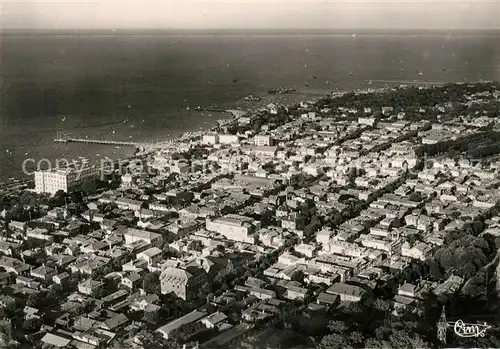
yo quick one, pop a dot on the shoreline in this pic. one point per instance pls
(286, 99)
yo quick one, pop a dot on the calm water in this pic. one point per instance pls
(88, 85)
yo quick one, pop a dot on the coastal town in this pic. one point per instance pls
(314, 225)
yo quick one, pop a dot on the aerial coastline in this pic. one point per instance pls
(257, 175)
(365, 218)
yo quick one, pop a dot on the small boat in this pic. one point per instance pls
(252, 98)
(351, 73)
(188, 108)
(314, 76)
(443, 68)
(235, 80)
(125, 121)
(63, 119)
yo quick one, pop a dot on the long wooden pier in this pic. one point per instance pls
(406, 82)
(95, 141)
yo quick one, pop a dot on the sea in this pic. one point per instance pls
(144, 86)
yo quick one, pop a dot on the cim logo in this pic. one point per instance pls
(467, 330)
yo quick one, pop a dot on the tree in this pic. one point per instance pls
(356, 338)
(89, 186)
(412, 239)
(382, 306)
(462, 253)
(335, 341)
(336, 326)
(374, 343)
(185, 198)
(32, 300)
(117, 344)
(176, 156)
(257, 125)
(475, 287)
(32, 324)
(151, 283)
(184, 332)
(107, 270)
(26, 197)
(400, 339)
(154, 340)
(58, 200)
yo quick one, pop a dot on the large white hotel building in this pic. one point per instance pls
(66, 178)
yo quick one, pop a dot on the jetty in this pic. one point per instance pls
(95, 141)
(406, 82)
(213, 110)
(234, 112)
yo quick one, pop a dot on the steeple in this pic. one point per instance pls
(442, 327)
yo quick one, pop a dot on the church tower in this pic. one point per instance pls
(442, 326)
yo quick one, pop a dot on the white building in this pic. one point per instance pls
(306, 250)
(133, 235)
(323, 236)
(127, 180)
(367, 121)
(184, 282)
(420, 251)
(211, 138)
(228, 139)
(271, 238)
(265, 151)
(233, 227)
(152, 255)
(347, 292)
(180, 167)
(263, 140)
(65, 179)
(192, 317)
